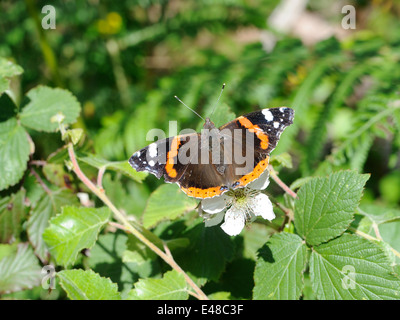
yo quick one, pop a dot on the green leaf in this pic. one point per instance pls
(20, 270)
(171, 287)
(74, 230)
(283, 159)
(380, 221)
(378, 214)
(279, 269)
(167, 202)
(119, 166)
(351, 267)
(220, 295)
(56, 174)
(138, 252)
(14, 152)
(325, 206)
(46, 208)
(12, 213)
(75, 135)
(206, 256)
(222, 115)
(390, 235)
(128, 196)
(107, 259)
(46, 103)
(254, 239)
(7, 250)
(87, 285)
(4, 84)
(8, 69)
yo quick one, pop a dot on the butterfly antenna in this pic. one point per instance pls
(188, 107)
(220, 94)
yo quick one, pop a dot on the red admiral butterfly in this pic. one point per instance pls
(209, 163)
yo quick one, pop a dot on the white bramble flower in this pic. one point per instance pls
(239, 206)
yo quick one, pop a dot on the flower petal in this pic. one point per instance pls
(261, 182)
(262, 206)
(234, 221)
(214, 219)
(214, 205)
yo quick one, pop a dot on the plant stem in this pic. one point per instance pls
(274, 176)
(166, 256)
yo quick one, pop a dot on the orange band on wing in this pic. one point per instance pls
(255, 129)
(203, 193)
(169, 167)
(258, 170)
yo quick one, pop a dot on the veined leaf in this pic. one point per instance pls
(351, 267)
(137, 252)
(7, 250)
(210, 248)
(279, 269)
(14, 152)
(379, 221)
(171, 287)
(46, 208)
(8, 69)
(73, 230)
(379, 215)
(46, 103)
(20, 270)
(167, 202)
(12, 212)
(87, 285)
(107, 259)
(325, 206)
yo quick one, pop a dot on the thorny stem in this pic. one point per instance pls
(166, 256)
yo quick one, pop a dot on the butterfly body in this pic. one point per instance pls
(209, 163)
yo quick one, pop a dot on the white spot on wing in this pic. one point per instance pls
(268, 115)
(153, 150)
(282, 109)
(276, 124)
(151, 163)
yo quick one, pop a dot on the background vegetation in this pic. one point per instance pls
(112, 69)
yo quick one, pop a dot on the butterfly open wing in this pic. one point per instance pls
(209, 164)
